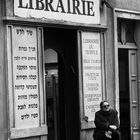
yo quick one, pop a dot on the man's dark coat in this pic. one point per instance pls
(102, 122)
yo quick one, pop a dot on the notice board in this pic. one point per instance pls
(91, 73)
(25, 77)
(25, 82)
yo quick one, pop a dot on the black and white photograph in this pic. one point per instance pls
(69, 70)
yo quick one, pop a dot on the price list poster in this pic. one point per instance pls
(91, 63)
(25, 77)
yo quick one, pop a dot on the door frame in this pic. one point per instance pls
(132, 93)
(125, 14)
(70, 79)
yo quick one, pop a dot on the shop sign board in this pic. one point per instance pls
(25, 77)
(92, 81)
(78, 11)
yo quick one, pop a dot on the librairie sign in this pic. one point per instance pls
(79, 11)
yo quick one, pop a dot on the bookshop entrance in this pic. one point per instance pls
(60, 60)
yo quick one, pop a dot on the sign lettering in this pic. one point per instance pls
(92, 86)
(87, 11)
(25, 77)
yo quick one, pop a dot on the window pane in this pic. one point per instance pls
(130, 31)
(125, 29)
(119, 30)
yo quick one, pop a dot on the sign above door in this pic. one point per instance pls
(78, 11)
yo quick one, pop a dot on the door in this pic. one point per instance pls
(55, 101)
(51, 106)
(134, 112)
(128, 93)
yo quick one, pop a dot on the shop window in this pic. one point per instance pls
(125, 30)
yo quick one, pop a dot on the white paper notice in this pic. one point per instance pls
(25, 77)
(92, 85)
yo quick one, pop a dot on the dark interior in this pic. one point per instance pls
(124, 94)
(65, 110)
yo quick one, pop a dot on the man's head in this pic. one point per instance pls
(104, 106)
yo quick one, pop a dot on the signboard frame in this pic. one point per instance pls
(78, 11)
(15, 130)
(87, 123)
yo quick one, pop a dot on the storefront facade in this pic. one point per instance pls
(59, 59)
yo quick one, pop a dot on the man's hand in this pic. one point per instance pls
(114, 127)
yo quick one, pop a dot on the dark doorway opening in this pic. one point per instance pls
(61, 69)
(124, 94)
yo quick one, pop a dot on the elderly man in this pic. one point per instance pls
(107, 123)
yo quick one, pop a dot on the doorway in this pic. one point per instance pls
(124, 94)
(61, 78)
(128, 63)
(128, 93)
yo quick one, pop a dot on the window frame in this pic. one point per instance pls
(42, 128)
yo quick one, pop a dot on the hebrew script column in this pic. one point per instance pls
(25, 78)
